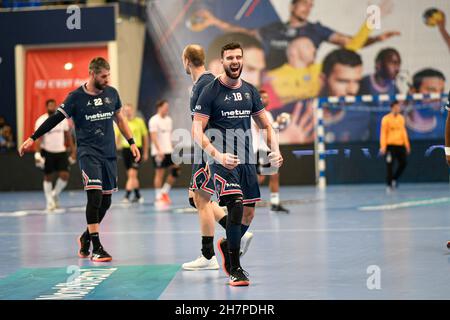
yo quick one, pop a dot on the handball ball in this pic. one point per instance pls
(432, 16)
(283, 120)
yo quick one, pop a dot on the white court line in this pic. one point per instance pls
(256, 231)
(406, 204)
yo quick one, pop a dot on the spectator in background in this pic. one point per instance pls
(429, 122)
(387, 68)
(6, 135)
(9, 138)
(277, 36)
(394, 144)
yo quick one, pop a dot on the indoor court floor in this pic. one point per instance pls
(348, 242)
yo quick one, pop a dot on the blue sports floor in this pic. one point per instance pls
(350, 242)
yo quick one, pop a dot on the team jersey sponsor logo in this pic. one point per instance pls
(198, 107)
(236, 114)
(99, 116)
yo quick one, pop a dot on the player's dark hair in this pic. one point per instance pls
(426, 73)
(195, 54)
(246, 41)
(261, 91)
(231, 46)
(340, 56)
(97, 64)
(394, 103)
(160, 103)
(48, 101)
(385, 53)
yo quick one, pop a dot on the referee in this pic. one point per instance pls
(140, 134)
(394, 144)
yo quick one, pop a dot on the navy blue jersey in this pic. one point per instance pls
(277, 36)
(93, 117)
(229, 110)
(201, 82)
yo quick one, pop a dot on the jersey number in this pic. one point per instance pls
(237, 96)
(98, 102)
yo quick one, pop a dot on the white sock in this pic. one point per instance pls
(275, 198)
(166, 188)
(157, 193)
(60, 185)
(48, 191)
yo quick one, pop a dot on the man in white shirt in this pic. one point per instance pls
(160, 128)
(263, 167)
(51, 156)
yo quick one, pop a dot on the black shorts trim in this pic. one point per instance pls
(165, 163)
(128, 159)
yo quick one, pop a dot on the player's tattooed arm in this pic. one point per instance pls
(122, 124)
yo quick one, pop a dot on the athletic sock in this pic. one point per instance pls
(59, 186)
(244, 229)
(127, 194)
(275, 198)
(48, 191)
(166, 188)
(95, 238)
(157, 193)
(234, 258)
(223, 222)
(137, 193)
(86, 235)
(208, 247)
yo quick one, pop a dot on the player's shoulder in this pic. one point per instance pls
(76, 93)
(111, 90)
(211, 87)
(207, 76)
(248, 85)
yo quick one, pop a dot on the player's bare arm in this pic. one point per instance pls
(126, 132)
(199, 124)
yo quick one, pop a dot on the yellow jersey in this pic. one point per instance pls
(138, 129)
(393, 131)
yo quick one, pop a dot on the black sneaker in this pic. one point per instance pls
(278, 208)
(83, 246)
(100, 255)
(448, 244)
(239, 277)
(222, 245)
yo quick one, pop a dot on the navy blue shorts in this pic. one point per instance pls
(201, 178)
(241, 180)
(99, 174)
